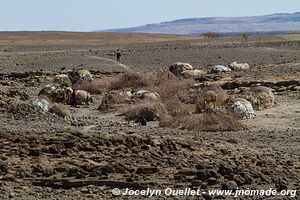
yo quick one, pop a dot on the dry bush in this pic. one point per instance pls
(61, 110)
(149, 111)
(111, 98)
(96, 86)
(171, 94)
(179, 113)
(204, 122)
(245, 36)
(222, 97)
(152, 77)
(166, 121)
(129, 79)
(261, 97)
(188, 96)
(211, 34)
(163, 75)
(175, 94)
(170, 89)
(176, 108)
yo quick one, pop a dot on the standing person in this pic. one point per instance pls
(118, 55)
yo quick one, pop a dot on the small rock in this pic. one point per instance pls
(281, 185)
(224, 151)
(248, 178)
(213, 173)
(225, 170)
(12, 195)
(9, 177)
(233, 141)
(296, 88)
(200, 166)
(76, 172)
(281, 89)
(53, 149)
(85, 190)
(202, 174)
(187, 172)
(239, 180)
(290, 163)
(37, 168)
(34, 152)
(3, 157)
(265, 179)
(3, 167)
(212, 181)
(61, 169)
(147, 170)
(230, 185)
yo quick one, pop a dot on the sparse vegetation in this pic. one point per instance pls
(176, 108)
(65, 84)
(181, 114)
(169, 89)
(96, 86)
(180, 104)
(149, 111)
(211, 34)
(109, 99)
(221, 97)
(61, 110)
(130, 79)
(43, 154)
(204, 122)
(245, 36)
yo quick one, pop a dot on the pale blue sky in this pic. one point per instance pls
(90, 15)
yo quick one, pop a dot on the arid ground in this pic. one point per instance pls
(43, 156)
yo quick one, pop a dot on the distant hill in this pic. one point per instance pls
(278, 22)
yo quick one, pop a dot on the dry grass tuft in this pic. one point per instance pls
(109, 99)
(177, 105)
(179, 114)
(170, 89)
(170, 94)
(96, 86)
(176, 108)
(211, 34)
(221, 102)
(130, 79)
(61, 110)
(149, 111)
(204, 122)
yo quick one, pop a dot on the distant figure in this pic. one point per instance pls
(118, 56)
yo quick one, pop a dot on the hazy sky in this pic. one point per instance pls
(90, 15)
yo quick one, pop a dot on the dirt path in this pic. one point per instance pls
(277, 127)
(285, 115)
(68, 59)
(40, 52)
(110, 60)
